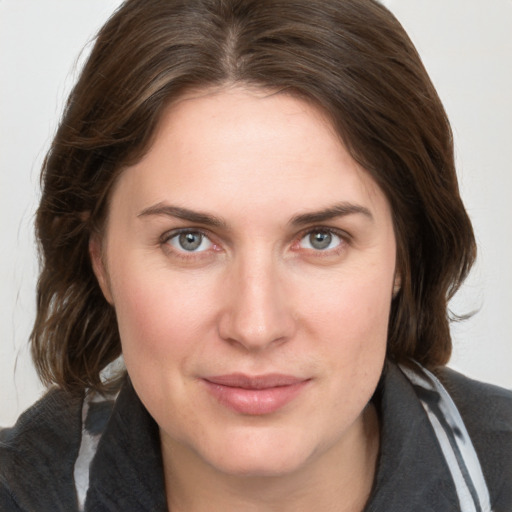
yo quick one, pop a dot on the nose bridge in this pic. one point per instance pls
(257, 312)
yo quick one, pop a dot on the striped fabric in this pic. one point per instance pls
(448, 426)
(453, 438)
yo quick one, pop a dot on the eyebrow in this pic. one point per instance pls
(337, 210)
(183, 213)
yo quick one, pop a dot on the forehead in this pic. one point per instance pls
(253, 148)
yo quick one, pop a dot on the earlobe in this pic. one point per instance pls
(99, 267)
(397, 285)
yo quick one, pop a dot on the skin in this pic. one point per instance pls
(256, 297)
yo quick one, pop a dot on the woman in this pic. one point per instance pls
(255, 203)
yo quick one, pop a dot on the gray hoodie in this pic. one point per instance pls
(69, 454)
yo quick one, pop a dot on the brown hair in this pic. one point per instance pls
(350, 57)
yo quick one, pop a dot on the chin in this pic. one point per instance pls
(260, 467)
(260, 456)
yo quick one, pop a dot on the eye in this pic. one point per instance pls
(189, 241)
(320, 240)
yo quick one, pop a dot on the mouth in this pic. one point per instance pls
(255, 395)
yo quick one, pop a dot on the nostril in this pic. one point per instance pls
(256, 329)
(256, 312)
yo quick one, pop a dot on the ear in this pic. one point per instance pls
(99, 267)
(397, 284)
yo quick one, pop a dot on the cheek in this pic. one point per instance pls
(351, 305)
(349, 318)
(160, 316)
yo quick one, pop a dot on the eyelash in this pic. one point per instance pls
(342, 235)
(183, 254)
(344, 238)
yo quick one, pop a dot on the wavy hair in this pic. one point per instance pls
(351, 58)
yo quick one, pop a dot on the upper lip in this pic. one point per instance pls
(240, 380)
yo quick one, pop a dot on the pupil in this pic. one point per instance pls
(320, 240)
(190, 241)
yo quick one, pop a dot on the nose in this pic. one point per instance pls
(257, 309)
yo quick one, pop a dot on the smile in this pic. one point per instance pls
(255, 395)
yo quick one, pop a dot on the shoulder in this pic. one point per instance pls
(474, 397)
(485, 408)
(39, 452)
(487, 414)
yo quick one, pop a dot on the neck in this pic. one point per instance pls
(340, 479)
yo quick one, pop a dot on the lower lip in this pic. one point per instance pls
(255, 402)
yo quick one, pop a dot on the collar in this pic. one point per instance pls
(127, 470)
(412, 473)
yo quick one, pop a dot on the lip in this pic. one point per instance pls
(255, 395)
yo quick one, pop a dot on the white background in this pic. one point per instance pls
(467, 48)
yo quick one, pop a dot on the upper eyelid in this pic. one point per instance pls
(344, 235)
(171, 233)
(336, 231)
(182, 254)
(345, 240)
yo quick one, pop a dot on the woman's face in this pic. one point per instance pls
(251, 264)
